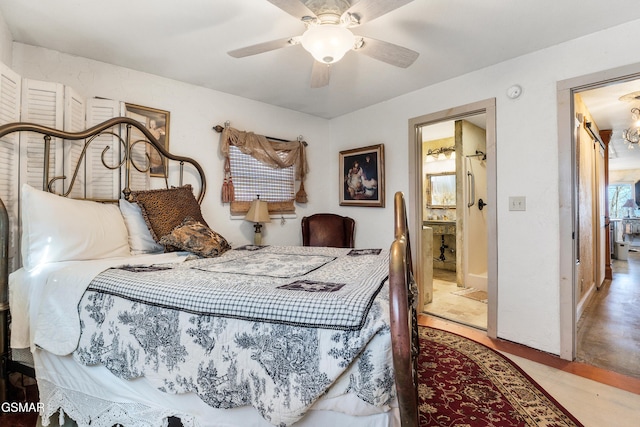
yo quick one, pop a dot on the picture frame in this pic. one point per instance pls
(157, 121)
(362, 176)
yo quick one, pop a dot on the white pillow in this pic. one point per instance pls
(140, 240)
(55, 228)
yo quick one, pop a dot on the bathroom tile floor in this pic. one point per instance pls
(455, 307)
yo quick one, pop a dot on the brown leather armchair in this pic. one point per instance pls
(326, 229)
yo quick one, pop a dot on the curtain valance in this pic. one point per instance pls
(266, 151)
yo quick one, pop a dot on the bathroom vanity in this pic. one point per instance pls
(444, 243)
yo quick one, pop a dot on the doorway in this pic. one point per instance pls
(578, 306)
(452, 204)
(608, 281)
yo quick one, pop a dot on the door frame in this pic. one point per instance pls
(416, 199)
(566, 89)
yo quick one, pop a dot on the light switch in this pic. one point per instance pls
(517, 203)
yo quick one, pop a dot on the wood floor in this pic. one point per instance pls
(608, 333)
(585, 370)
(602, 387)
(609, 329)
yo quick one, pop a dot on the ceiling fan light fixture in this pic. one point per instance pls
(327, 43)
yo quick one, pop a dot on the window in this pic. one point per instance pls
(621, 200)
(252, 178)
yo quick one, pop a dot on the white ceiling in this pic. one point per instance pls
(611, 113)
(189, 40)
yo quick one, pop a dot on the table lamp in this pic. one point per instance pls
(630, 204)
(258, 213)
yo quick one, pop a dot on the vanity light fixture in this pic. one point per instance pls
(441, 153)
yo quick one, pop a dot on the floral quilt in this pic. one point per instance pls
(280, 365)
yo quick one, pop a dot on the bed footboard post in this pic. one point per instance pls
(403, 296)
(4, 302)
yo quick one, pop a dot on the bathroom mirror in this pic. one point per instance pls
(441, 190)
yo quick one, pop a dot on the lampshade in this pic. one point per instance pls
(630, 203)
(327, 43)
(258, 212)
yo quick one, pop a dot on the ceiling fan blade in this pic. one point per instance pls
(387, 52)
(368, 10)
(319, 75)
(294, 8)
(262, 47)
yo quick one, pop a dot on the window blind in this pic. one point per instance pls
(252, 178)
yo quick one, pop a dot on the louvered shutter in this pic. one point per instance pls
(74, 121)
(43, 104)
(10, 88)
(102, 182)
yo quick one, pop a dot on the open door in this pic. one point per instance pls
(438, 210)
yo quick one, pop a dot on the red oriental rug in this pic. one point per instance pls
(465, 384)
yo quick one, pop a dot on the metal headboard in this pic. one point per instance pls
(5, 359)
(89, 135)
(109, 127)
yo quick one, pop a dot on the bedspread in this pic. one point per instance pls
(330, 288)
(44, 302)
(280, 367)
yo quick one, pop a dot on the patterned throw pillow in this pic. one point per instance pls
(197, 238)
(165, 209)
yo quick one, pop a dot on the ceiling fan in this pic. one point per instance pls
(328, 36)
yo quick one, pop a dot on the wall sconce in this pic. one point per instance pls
(258, 213)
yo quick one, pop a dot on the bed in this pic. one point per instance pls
(136, 312)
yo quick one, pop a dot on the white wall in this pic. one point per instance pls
(527, 154)
(6, 41)
(527, 165)
(194, 112)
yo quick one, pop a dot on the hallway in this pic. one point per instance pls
(609, 328)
